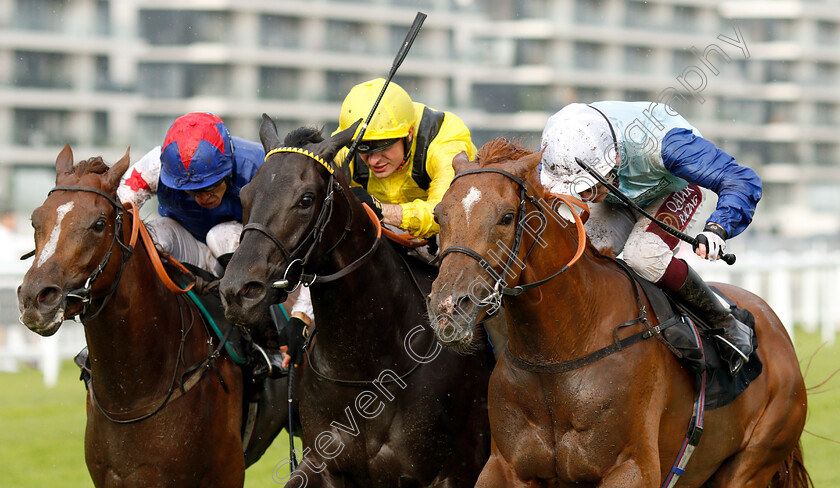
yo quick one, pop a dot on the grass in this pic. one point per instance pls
(42, 430)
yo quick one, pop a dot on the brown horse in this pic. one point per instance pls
(165, 404)
(381, 403)
(618, 421)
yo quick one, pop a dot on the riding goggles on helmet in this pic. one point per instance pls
(370, 147)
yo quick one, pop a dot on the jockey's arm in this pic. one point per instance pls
(699, 161)
(392, 214)
(418, 215)
(140, 182)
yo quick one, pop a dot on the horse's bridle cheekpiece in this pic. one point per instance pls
(315, 235)
(500, 288)
(84, 293)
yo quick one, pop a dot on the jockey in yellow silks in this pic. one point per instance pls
(403, 165)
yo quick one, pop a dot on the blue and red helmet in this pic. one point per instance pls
(196, 153)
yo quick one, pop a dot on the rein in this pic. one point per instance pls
(194, 373)
(500, 287)
(308, 279)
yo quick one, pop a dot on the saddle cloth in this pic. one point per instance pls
(721, 387)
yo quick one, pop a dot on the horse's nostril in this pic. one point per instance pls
(253, 290)
(49, 295)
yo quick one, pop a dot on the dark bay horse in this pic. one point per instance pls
(381, 404)
(619, 421)
(164, 406)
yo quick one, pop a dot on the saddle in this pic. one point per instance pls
(721, 387)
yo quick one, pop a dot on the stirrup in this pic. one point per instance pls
(733, 347)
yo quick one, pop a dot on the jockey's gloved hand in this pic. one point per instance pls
(295, 338)
(371, 200)
(714, 238)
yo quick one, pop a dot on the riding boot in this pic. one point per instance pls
(266, 358)
(266, 363)
(736, 337)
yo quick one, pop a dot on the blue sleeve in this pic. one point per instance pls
(700, 162)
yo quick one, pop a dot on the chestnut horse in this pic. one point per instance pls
(617, 421)
(381, 403)
(165, 402)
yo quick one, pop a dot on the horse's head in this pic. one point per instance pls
(286, 208)
(481, 237)
(74, 232)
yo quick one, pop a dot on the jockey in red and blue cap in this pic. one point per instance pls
(197, 175)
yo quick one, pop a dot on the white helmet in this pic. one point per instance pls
(576, 131)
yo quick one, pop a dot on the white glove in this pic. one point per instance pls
(715, 244)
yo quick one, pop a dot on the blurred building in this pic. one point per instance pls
(757, 77)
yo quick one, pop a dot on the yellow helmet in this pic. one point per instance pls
(394, 115)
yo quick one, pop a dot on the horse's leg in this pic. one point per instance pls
(498, 473)
(632, 474)
(307, 476)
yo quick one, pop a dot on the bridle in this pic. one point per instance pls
(500, 288)
(84, 293)
(300, 255)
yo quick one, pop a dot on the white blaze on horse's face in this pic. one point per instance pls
(52, 243)
(469, 201)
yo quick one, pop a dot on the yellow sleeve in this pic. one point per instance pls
(453, 137)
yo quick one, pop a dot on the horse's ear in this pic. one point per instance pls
(268, 134)
(64, 163)
(461, 162)
(115, 173)
(524, 167)
(329, 148)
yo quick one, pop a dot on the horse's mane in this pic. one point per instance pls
(302, 136)
(499, 150)
(93, 165)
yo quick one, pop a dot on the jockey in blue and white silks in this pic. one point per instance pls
(661, 162)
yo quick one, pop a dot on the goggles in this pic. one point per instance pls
(206, 189)
(370, 147)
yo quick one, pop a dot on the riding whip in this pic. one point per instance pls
(727, 258)
(406, 45)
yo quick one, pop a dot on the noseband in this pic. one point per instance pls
(316, 234)
(84, 293)
(500, 288)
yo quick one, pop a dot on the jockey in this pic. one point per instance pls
(660, 161)
(197, 175)
(408, 149)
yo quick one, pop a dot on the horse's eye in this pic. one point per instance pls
(99, 225)
(506, 219)
(306, 201)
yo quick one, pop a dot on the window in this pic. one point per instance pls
(588, 55)
(682, 59)
(825, 73)
(638, 14)
(42, 127)
(41, 70)
(780, 113)
(102, 77)
(531, 52)
(278, 83)
(100, 129)
(339, 84)
(637, 59)
(207, 80)
(279, 31)
(825, 154)
(779, 71)
(151, 129)
(825, 114)
(46, 15)
(589, 11)
(637, 96)
(348, 37)
(685, 18)
(161, 80)
(180, 27)
(587, 94)
(826, 32)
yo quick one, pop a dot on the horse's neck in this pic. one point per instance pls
(365, 315)
(133, 342)
(572, 314)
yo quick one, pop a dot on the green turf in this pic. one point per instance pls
(42, 430)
